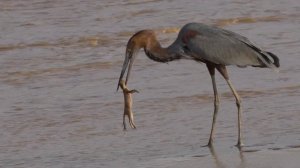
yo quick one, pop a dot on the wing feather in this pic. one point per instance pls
(221, 46)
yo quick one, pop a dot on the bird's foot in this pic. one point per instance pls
(210, 144)
(239, 145)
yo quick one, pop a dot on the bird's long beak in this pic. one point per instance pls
(129, 58)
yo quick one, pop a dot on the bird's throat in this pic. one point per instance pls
(161, 55)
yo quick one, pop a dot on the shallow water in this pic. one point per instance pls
(60, 62)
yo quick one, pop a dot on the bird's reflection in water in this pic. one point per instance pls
(220, 164)
(215, 158)
(242, 158)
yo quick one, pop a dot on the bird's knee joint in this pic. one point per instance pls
(238, 102)
(216, 103)
(217, 107)
(217, 100)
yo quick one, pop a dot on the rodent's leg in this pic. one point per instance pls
(131, 120)
(124, 123)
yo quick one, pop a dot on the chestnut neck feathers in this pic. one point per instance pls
(146, 39)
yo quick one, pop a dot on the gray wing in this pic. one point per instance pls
(223, 47)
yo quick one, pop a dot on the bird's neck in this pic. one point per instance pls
(157, 53)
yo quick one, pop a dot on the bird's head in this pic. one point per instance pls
(141, 39)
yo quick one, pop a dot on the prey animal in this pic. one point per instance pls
(127, 104)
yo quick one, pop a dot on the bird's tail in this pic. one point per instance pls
(275, 59)
(269, 60)
(265, 57)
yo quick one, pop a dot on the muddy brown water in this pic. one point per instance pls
(59, 65)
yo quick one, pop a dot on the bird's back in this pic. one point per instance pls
(221, 46)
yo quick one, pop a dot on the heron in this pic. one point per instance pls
(213, 46)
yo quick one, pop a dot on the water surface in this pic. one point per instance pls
(60, 61)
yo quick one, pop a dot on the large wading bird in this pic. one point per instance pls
(215, 47)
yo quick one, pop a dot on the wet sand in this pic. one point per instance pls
(59, 66)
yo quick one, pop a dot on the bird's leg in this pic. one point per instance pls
(211, 69)
(238, 104)
(223, 71)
